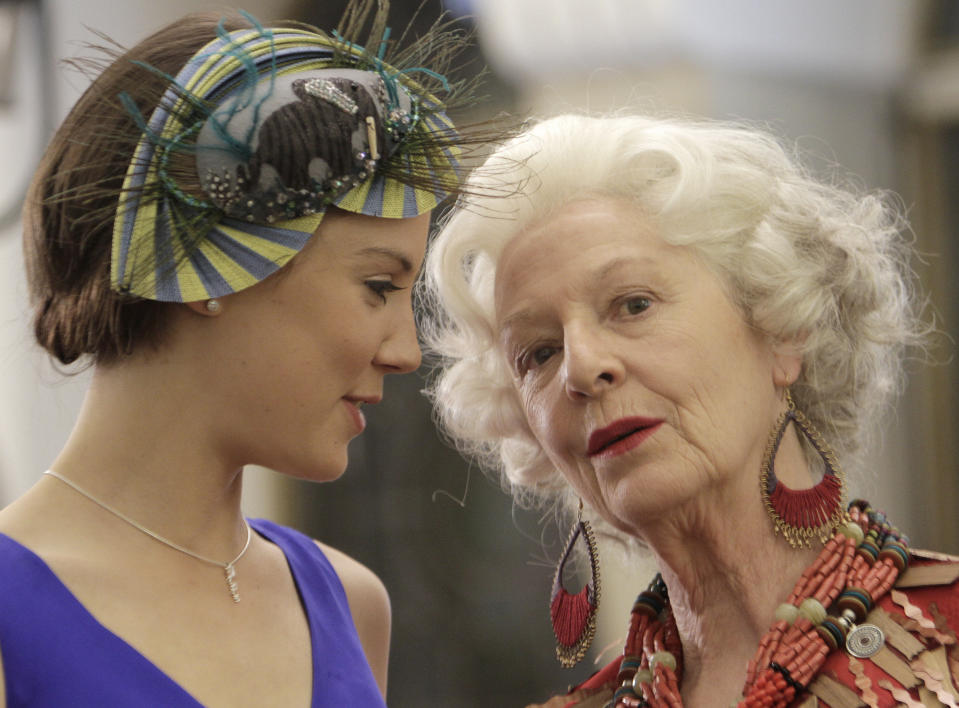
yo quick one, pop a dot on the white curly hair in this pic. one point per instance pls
(805, 260)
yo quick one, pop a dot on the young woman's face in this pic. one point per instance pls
(295, 357)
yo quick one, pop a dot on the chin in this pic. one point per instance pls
(649, 501)
(324, 468)
(326, 472)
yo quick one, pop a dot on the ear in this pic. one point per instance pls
(787, 362)
(208, 308)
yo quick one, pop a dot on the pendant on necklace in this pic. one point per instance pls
(865, 641)
(230, 573)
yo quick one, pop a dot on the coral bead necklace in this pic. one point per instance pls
(824, 612)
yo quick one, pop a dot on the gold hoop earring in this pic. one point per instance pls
(800, 515)
(574, 616)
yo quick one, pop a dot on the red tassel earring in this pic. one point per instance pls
(800, 515)
(574, 616)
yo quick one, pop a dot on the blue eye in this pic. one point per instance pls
(382, 288)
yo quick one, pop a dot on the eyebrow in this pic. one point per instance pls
(393, 254)
(525, 317)
(615, 264)
(521, 317)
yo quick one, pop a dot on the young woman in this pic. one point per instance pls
(227, 227)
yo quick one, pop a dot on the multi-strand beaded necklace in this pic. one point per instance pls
(825, 611)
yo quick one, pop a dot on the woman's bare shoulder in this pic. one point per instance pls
(358, 580)
(370, 606)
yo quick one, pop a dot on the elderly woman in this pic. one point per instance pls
(670, 325)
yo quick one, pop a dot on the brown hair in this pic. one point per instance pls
(67, 243)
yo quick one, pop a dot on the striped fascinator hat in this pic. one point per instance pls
(256, 136)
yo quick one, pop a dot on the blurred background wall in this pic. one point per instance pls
(872, 85)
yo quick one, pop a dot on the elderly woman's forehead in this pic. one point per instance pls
(591, 215)
(583, 245)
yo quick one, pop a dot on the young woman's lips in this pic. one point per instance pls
(359, 420)
(621, 436)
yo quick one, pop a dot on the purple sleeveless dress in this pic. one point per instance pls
(57, 654)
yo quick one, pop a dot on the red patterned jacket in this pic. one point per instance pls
(918, 665)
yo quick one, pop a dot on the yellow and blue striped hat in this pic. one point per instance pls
(257, 135)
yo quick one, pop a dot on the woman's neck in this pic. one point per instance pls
(724, 593)
(140, 450)
(727, 571)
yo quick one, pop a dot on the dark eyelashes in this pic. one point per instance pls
(534, 358)
(382, 288)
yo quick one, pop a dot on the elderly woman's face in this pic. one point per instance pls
(638, 376)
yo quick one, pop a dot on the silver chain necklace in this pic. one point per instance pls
(229, 571)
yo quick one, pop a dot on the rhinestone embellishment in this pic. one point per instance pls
(327, 90)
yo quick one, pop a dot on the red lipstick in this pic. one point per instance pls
(621, 436)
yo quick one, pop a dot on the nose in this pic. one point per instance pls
(400, 352)
(590, 364)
